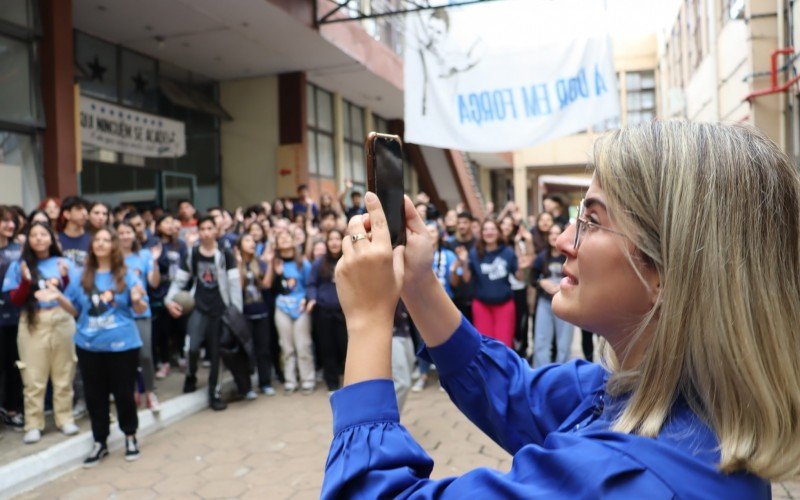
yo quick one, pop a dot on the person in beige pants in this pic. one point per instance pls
(47, 351)
(45, 343)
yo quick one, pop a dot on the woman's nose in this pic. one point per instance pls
(566, 241)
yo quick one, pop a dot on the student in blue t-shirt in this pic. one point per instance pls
(489, 265)
(10, 381)
(73, 238)
(46, 350)
(144, 264)
(106, 299)
(292, 318)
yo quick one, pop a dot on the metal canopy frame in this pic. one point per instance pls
(416, 6)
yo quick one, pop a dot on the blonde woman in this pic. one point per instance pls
(698, 397)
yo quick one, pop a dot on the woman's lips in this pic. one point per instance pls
(569, 279)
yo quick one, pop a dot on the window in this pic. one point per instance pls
(18, 93)
(98, 60)
(138, 81)
(319, 115)
(732, 9)
(694, 32)
(354, 135)
(641, 97)
(609, 123)
(21, 150)
(19, 13)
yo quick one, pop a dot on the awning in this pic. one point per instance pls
(188, 97)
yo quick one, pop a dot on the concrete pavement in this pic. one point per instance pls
(274, 448)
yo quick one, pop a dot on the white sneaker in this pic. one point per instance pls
(32, 436)
(70, 429)
(418, 385)
(79, 409)
(251, 395)
(268, 390)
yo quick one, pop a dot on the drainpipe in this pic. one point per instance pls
(782, 95)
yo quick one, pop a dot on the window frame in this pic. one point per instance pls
(314, 131)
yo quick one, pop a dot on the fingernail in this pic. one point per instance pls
(370, 197)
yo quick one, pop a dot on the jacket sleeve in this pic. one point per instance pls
(373, 456)
(234, 281)
(497, 390)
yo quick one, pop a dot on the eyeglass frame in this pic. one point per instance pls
(582, 224)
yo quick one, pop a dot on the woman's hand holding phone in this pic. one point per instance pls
(369, 277)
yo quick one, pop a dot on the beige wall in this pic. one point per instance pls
(249, 141)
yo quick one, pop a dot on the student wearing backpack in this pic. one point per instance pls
(216, 286)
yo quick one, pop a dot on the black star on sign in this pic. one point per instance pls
(97, 69)
(139, 82)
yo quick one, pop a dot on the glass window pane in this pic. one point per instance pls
(346, 124)
(348, 163)
(310, 105)
(634, 118)
(648, 100)
(325, 155)
(16, 12)
(357, 123)
(312, 153)
(634, 101)
(99, 60)
(359, 169)
(648, 80)
(633, 81)
(20, 150)
(16, 103)
(324, 111)
(139, 81)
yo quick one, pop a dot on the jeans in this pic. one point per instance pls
(204, 327)
(547, 325)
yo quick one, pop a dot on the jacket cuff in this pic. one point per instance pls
(364, 403)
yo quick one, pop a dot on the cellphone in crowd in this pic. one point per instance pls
(385, 178)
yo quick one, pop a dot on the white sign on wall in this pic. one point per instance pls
(507, 75)
(128, 131)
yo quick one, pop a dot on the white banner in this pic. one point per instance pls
(507, 75)
(124, 130)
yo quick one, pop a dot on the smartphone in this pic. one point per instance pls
(385, 178)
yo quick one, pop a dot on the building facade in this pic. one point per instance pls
(223, 103)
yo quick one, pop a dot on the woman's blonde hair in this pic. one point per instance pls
(716, 210)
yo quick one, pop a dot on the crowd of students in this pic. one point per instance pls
(100, 303)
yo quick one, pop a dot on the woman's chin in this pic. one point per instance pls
(564, 308)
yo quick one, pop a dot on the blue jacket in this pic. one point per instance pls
(556, 422)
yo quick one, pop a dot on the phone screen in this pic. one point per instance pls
(388, 178)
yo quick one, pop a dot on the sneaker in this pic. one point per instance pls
(79, 409)
(131, 449)
(70, 429)
(268, 390)
(190, 384)
(306, 390)
(152, 402)
(206, 363)
(15, 421)
(289, 389)
(32, 436)
(251, 395)
(99, 452)
(163, 371)
(419, 385)
(218, 404)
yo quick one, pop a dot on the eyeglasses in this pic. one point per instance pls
(583, 224)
